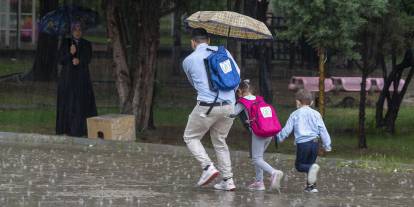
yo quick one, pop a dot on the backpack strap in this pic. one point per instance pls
(207, 67)
(212, 105)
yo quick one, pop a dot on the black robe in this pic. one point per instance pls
(75, 98)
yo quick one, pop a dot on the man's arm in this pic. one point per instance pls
(186, 67)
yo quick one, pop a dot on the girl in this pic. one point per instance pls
(259, 144)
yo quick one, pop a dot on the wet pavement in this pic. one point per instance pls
(37, 170)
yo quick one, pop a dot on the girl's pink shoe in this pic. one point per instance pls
(257, 185)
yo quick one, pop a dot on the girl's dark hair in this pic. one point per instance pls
(245, 86)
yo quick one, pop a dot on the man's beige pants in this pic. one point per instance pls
(219, 125)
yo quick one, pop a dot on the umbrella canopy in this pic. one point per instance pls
(58, 22)
(229, 24)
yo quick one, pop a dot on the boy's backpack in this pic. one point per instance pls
(262, 117)
(221, 71)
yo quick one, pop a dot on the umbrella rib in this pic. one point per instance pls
(242, 28)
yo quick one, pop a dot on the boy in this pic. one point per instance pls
(308, 126)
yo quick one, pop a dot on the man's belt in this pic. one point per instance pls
(213, 104)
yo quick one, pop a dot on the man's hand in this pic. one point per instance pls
(72, 49)
(75, 61)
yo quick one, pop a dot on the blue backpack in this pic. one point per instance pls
(222, 73)
(221, 70)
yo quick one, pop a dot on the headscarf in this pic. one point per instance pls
(75, 25)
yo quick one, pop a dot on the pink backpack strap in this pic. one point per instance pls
(248, 103)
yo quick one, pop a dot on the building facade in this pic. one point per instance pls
(18, 23)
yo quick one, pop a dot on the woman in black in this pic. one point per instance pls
(75, 98)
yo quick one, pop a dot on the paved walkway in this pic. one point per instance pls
(37, 170)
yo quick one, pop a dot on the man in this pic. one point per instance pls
(217, 121)
(75, 98)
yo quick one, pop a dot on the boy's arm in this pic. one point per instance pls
(323, 132)
(286, 130)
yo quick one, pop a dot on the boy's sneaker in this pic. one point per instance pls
(227, 185)
(257, 185)
(311, 189)
(275, 179)
(208, 175)
(313, 174)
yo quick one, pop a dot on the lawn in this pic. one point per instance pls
(9, 65)
(342, 125)
(170, 123)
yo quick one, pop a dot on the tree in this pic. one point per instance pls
(133, 28)
(369, 42)
(398, 34)
(394, 99)
(324, 24)
(327, 24)
(45, 64)
(180, 7)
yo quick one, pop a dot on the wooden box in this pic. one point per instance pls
(112, 127)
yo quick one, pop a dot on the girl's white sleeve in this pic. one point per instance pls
(237, 110)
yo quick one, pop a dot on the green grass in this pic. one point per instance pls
(342, 125)
(39, 120)
(9, 66)
(97, 39)
(383, 148)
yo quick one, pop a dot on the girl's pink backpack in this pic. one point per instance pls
(262, 117)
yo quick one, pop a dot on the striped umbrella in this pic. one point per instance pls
(229, 24)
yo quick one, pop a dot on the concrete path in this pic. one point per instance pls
(39, 170)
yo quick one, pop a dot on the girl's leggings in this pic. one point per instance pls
(259, 146)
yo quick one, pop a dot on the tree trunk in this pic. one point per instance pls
(382, 96)
(394, 101)
(176, 49)
(265, 81)
(135, 83)
(45, 63)
(234, 46)
(265, 61)
(321, 98)
(292, 55)
(394, 107)
(123, 79)
(362, 141)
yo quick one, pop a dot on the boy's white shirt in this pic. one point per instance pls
(307, 124)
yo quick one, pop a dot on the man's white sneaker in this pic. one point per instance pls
(257, 185)
(275, 179)
(208, 175)
(227, 185)
(313, 174)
